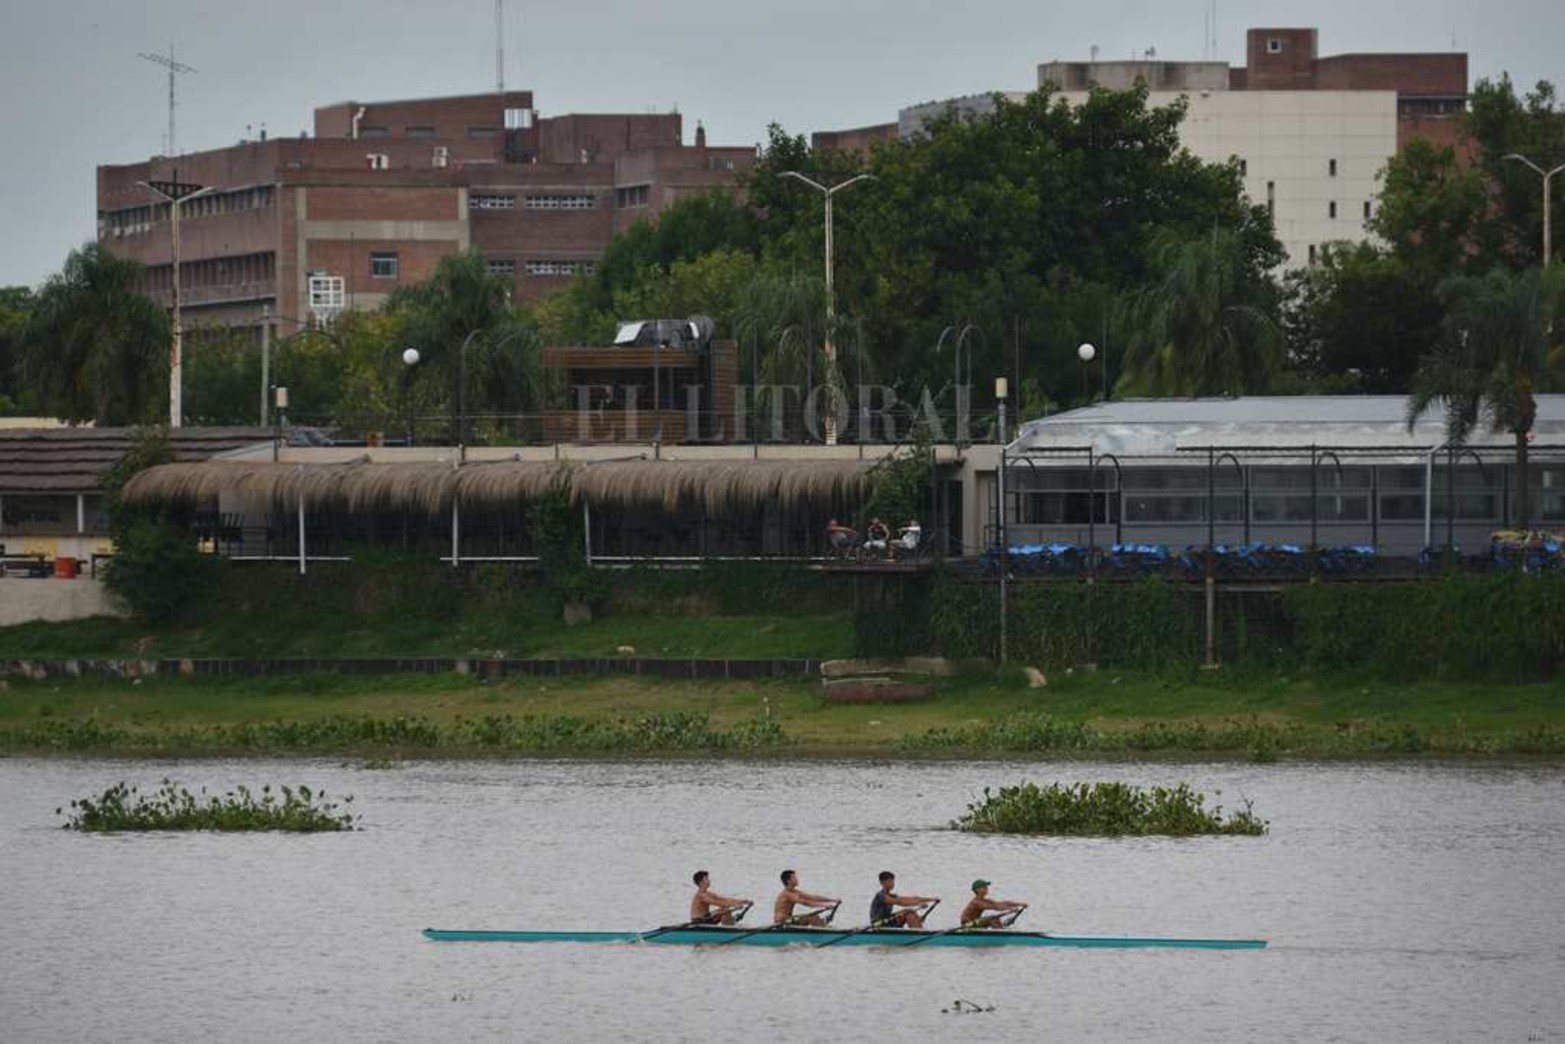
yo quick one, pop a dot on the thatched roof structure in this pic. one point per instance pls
(73, 460)
(717, 486)
(357, 485)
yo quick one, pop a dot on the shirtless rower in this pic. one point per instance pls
(707, 907)
(984, 912)
(791, 896)
(890, 910)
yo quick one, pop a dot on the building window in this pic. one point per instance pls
(383, 264)
(560, 268)
(484, 201)
(1312, 254)
(633, 196)
(1274, 45)
(483, 132)
(561, 202)
(1331, 168)
(374, 132)
(1366, 210)
(326, 295)
(1244, 167)
(1331, 209)
(518, 119)
(422, 133)
(1271, 199)
(501, 266)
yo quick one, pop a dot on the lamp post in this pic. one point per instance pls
(1547, 176)
(410, 359)
(279, 418)
(1086, 353)
(175, 192)
(827, 192)
(461, 392)
(1001, 391)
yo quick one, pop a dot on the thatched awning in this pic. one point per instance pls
(717, 486)
(354, 486)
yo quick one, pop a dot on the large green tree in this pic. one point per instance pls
(16, 304)
(461, 320)
(1498, 124)
(95, 347)
(1500, 346)
(1203, 326)
(1360, 320)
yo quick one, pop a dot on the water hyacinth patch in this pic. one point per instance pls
(1102, 810)
(173, 807)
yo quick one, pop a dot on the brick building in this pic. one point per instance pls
(1311, 134)
(297, 228)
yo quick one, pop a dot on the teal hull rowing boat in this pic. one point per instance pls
(846, 937)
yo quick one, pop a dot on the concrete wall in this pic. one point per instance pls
(1302, 150)
(24, 601)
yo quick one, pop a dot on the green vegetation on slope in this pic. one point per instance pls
(975, 715)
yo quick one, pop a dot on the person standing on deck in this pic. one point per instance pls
(984, 912)
(707, 907)
(791, 896)
(890, 910)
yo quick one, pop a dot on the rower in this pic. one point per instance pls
(791, 896)
(890, 910)
(707, 907)
(984, 912)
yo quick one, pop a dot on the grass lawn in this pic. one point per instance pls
(1314, 712)
(392, 635)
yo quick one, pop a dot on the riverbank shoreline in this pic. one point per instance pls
(1090, 715)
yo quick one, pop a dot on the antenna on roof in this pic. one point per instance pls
(173, 68)
(499, 46)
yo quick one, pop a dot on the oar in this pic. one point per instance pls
(963, 928)
(774, 927)
(694, 924)
(928, 909)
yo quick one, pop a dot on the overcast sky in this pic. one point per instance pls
(73, 93)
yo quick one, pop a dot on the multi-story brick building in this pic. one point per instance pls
(298, 228)
(1311, 134)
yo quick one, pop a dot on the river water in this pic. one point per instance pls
(1403, 902)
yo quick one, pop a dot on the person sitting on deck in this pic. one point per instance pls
(907, 538)
(876, 536)
(707, 907)
(841, 538)
(791, 896)
(890, 910)
(984, 912)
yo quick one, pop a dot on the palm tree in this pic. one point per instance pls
(95, 347)
(1500, 346)
(462, 322)
(1200, 328)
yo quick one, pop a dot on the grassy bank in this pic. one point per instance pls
(981, 715)
(348, 636)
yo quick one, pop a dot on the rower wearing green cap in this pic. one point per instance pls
(984, 912)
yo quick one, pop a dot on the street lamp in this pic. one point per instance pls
(831, 294)
(175, 192)
(461, 393)
(1547, 176)
(1086, 353)
(409, 359)
(1002, 389)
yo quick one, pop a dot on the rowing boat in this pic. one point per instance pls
(984, 938)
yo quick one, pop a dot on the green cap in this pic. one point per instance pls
(980, 883)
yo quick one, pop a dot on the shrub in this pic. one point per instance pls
(1102, 810)
(173, 807)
